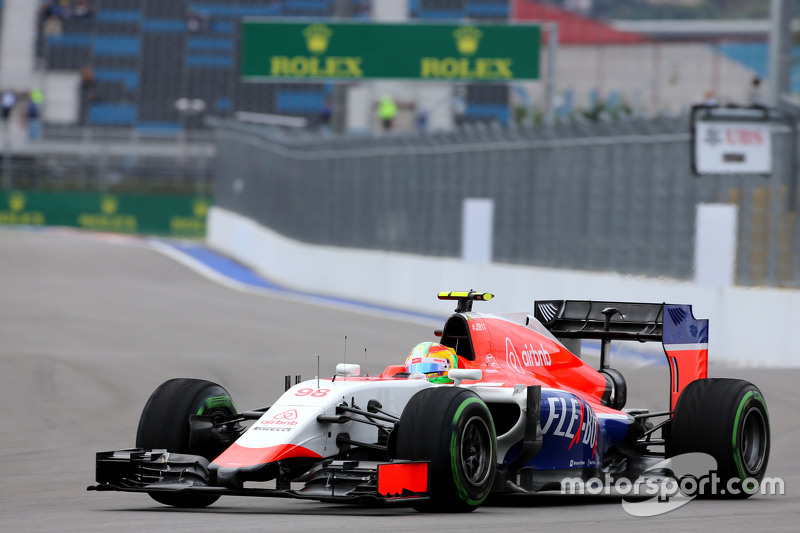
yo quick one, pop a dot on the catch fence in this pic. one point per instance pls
(615, 196)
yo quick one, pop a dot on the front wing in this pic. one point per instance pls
(371, 482)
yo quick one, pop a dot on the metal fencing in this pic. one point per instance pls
(607, 196)
(106, 160)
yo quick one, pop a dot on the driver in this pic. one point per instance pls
(432, 359)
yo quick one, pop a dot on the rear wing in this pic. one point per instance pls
(684, 337)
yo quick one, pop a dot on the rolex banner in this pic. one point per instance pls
(173, 215)
(353, 51)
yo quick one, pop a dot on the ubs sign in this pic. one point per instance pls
(735, 140)
(732, 148)
(283, 50)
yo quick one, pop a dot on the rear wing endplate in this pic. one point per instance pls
(684, 337)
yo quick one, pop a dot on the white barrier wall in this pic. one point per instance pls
(751, 327)
(715, 245)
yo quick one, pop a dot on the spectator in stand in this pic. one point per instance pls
(422, 119)
(66, 8)
(325, 115)
(48, 9)
(8, 102)
(708, 99)
(196, 22)
(755, 96)
(52, 26)
(83, 9)
(387, 110)
(51, 14)
(35, 101)
(37, 96)
(88, 82)
(45, 10)
(88, 90)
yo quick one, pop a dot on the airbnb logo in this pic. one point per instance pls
(291, 414)
(530, 356)
(285, 418)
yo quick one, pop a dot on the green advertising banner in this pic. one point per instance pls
(350, 51)
(173, 215)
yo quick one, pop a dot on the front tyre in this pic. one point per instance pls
(452, 428)
(727, 419)
(164, 424)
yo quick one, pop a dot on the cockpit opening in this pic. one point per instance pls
(455, 334)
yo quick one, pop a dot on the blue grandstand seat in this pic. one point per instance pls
(209, 61)
(116, 45)
(499, 112)
(119, 15)
(293, 101)
(223, 105)
(231, 10)
(112, 114)
(128, 77)
(164, 25)
(309, 7)
(223, 44)
(487, 9)
(222, 27)
(459, 9)
(71, 39)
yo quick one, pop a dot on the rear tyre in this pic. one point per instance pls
(727, 419)
(452, 428)
(164, 424)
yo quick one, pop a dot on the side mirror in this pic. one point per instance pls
(460, 374)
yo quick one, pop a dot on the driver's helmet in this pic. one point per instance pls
(432, 359)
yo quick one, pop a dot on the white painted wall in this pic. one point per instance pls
(715, 245)
(62, 97)
(436, 101)
(748, 326)
(477, 231)
(359, 109)
(18, 44)
(432, 98)
(389, 10)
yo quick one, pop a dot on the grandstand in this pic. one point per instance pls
(127, 63)
(145, 55)
(139, 57)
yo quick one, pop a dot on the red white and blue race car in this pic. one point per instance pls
(498, 405)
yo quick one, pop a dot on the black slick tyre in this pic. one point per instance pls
(164, 424)
(452, 428)
(727, 419)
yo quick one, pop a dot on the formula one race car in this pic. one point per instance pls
(498, 405)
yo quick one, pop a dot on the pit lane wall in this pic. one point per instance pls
(748, 326)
